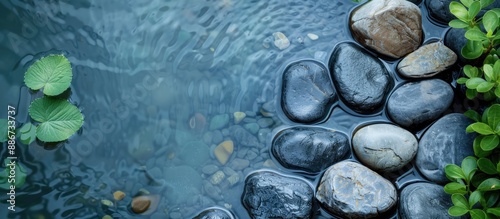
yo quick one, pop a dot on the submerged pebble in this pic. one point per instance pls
(223, 151)
(281, 41)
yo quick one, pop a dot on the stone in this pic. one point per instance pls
(217, 178)
(417, 103)
(219, 121)
(140, 204)
(183, 182)
(455, 40)
(384, 147)
(352, 190)
(390, 27)
(423, 201)
(427, 61)
(223, 151)
(238, 116)
(309, 149)
(271, 195)
(252, 127)
(243, 137)
(280, 40)
(265, 122)
(239, 164)
(360, 78)
(118, 195)
(307, 92)
(214, 213)
(439, 10)
(445, 142)
(312, 36)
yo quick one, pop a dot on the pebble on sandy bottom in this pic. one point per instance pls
(281, 41)
(223, 151)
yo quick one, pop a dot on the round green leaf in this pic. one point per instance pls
(456, 211)
(454, 172)
(481, 128)
(485, 3)
(490, 184)
(494, 211)
(455, 188)
(474, 82)
(460, 201)
(456, 23)
(475, 35)
(474, 9)
(486, 166)
(471, 114)
(488, 72)
(469, 166)
(58, 119)
(470, 93)
(485, 87)
(474, 198)
(467, 3)
(497, 91)
(472, 49)
(489, 142)
(490, 21)
(493, 115)
(459, 11)
(477, 214)
(52, 73)
(476, 145)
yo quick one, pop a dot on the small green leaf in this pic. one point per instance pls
(26, 127)
(497, 91)
(477, 214)
(489, 96)
(456, 211)
(491, 198)
(475, 35)
(470, 93)
(494, 211)
(469, 166)
(472, 49)
(462, 80)
(490, 21)
(478, 151)
(459, 11)
(489, 142)
(20, 175)
(486, 166)
(481, 128)
(493, 115)
(59, 119)
(488, 72)
(474, 9)
(485, 87)
(470, 71)
(456, 23)
(467, 3)
(52, 73)
(474, 198)
(460, 201)
(471, 114)
(474, 82)
(455, 188)
(29, 136)
(454, 172)
(3, 130)
(486, 3)
(490, 184)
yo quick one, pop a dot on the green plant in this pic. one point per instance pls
(7, 178)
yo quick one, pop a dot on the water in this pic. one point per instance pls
(142, 70)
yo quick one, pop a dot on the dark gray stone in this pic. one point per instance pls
(309, 149)
(427, 61)
(352, 190)
(307, 93)
(384, 147)
(417, 103)
(455, 40)
(424, 201)
(445, 142)
(243, 137)
(271, 195)
(439, 10)
(360, 78)
(214, 213)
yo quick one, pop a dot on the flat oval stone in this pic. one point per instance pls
(360, 78)
(427, 61)
(307, 93)
(271, 195)
(309, 149)
(384, 147)
(445, 142)
(390, 27)
(354, 191)
(424, 201)
(416, 103)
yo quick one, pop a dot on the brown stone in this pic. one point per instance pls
(118, 195)
(223, 151)
(140, 204)
(390, 27)
(427, 61)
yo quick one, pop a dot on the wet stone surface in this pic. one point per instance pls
(384, 147)
(307, 93)
(271, 195)
(439, 9)
(445, 142)
(427, 61)
(309, 149)
(417, 103)
(214, 213)
(455, 40)
(360, 78)
(354, 191)
(423, 201)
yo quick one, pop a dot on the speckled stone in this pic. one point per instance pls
(445, 142)
(424, 201)
(427, 61)
(354, 191)
(307, 92)
(417, 103)
(384, 147)
(271, 195)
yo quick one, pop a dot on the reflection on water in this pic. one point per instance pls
(150, 78)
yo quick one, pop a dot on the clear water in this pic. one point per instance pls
(142, 70)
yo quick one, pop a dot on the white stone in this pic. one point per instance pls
(281, 41)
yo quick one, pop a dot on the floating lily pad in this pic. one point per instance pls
(27, 133)
(58, 119)
(52, 73)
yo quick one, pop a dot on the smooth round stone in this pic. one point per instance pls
(309, 149)
(359, 77)
(439, 10)
(424, 201)
(455, 40)
(427, 61)
(219, 121)
(384, 147)
(416, 103)
(242, 137)
(140, 204)
(390, 27)
(307, 93)
(445, 142)
(271, 195)
(214, 213)
(352, 190)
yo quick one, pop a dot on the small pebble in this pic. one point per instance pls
(312, 36)
(281, 41)
(223, 151)
(107, 202)
(140, 204)
(238, 116)
(217, 177)
(107, 217)
(118, 195)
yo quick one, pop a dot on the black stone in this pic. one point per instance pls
(445, 142)
(272, 195)
(309, 149)
(424, 201)
(417, 103)
(360, 78)
(439, 10)
(455, 40)
(214, 213)
(307, 94)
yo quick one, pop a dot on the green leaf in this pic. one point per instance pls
(474, 82)
(20, 175)
(456, 211)
(490, 184)
(493, 115)
(454, 172)
(485, 87)
(496, 69)
(491, 198)
(490, 21)
(497, 91)
(59, 119)
(52, 73)
(474, 9)
(472, 49)
(481, 128)
(494, 211)
(462, 80)
(3, 130)
(460, 201)
(456, 23)
(489, 96)
(474, 198)
(486, 166)
(478, 151)
(470, 71)
(489, 142)
(455, 188)
(475, 35)
(471, 114)
(470, 93)
(469, 166)
(459, 11)
(28, 133)
(485, 3)
(488, 72)
(477, 214)
(467, 3)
